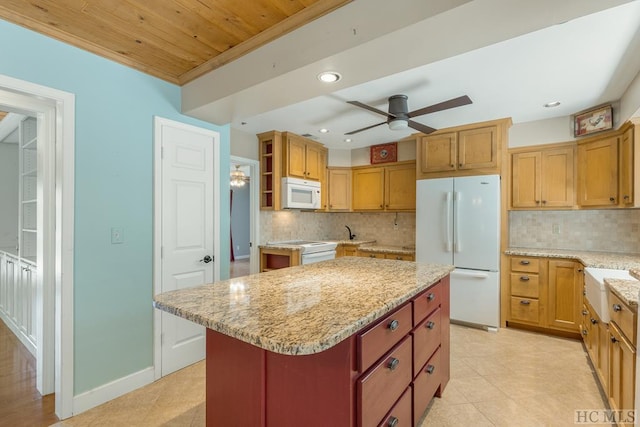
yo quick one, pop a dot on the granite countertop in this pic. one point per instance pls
(406, 250)
(626, 290)
(617, 261)
(635, 272)
(353, 242)
(280, 246)
(305, 309)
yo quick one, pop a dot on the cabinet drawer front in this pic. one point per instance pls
(426, 339)
(525, 309)
(424, 304)
(524, 285)
(425, 386)
(375, 342)
(379, 389)
(400, 415)
(400, 257)
(622, 315)
(525, 264)
(350, 251)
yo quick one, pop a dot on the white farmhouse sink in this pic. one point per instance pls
(596, 291)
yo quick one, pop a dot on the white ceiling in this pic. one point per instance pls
(585, 61)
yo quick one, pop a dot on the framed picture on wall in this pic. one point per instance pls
(384, 153)
(596, 120)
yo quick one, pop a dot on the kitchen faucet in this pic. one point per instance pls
(351, 235)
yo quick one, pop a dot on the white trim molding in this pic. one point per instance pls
(254, 207)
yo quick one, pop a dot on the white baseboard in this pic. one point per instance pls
(104, 393)
(241, 256)
(18, 333)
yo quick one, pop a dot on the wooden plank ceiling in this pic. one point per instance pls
(3, 114)
(175, 40)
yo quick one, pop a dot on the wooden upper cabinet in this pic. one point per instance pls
(543, 178)
(400, 187)
(598, 172)
(303, 158)
(478, 148)
(368, 189)
(438, 152)
(339, 189)
(473, 149)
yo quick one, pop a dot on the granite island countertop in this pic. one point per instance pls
(389, 249)
(626, 290)
(618, 261)
(305, 309)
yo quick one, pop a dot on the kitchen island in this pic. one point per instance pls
(347, 342)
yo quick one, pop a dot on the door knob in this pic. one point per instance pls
(207, 259)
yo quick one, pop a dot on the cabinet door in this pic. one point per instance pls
(622, 371)
(368, 189)
(525, 179)
(478, 148)
(626, 168)
(598, 172)
(400, 187)
(314, 161)
(565, 291)
(339, 197)
(438, 152)
(602, 348)
(557, 178)
(295, 157)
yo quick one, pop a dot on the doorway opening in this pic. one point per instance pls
(244, 224)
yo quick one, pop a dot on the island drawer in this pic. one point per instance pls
(623, 316)
(426, 385)
(525, 264)
(376, 341)
(524, 285)
(426, 303)
(524, 309)
(400, 414)
(380, 388)
(426, 339)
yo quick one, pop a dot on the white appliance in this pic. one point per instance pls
(458, 222)
(300, 193)
(311, 251)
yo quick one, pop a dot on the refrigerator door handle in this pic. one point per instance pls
(448, 231)
(475, 275)
(457, 247)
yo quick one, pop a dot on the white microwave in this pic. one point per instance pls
(300, 194)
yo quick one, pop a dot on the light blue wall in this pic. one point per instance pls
(115, 105)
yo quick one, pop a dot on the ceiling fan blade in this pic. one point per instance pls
(445, 105)
(368, 127)
(370, 108)
(420, 127)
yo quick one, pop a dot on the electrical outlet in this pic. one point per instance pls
(117, 235)
(555, 229)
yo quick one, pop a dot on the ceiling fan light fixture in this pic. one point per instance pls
(238, 178)
(329, 77)
(398, 124)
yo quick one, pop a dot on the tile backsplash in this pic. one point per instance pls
(291, 225)
(590, 230)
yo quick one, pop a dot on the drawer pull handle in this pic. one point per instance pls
(585, 312)
(593, 321)
(584, 332)
(524, 262)
(393, 325)
(430, 369)
(525, 302)
(524, 278)
(393, 363)
(614, 339)
(617, 307)
(431, 325)
(393, 422)
(431, 297)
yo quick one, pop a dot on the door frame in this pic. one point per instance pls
(254, 207)
(158, 123)
(55, 110)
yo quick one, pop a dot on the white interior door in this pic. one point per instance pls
(187, 235)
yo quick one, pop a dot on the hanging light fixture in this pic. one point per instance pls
(238, 178)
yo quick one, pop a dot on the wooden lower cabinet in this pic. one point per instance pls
(275, 258)
(384, 375)
(545, 293)
(622, 371)
(596, 341)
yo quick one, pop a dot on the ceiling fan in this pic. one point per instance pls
(238, 178)
(399, 117)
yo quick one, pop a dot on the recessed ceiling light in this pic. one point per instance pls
(329, 77)
(552, 104)
(323, 130)
(347, 140)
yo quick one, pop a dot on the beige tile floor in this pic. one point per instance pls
(509, 378)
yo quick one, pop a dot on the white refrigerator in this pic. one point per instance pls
(458, 222)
